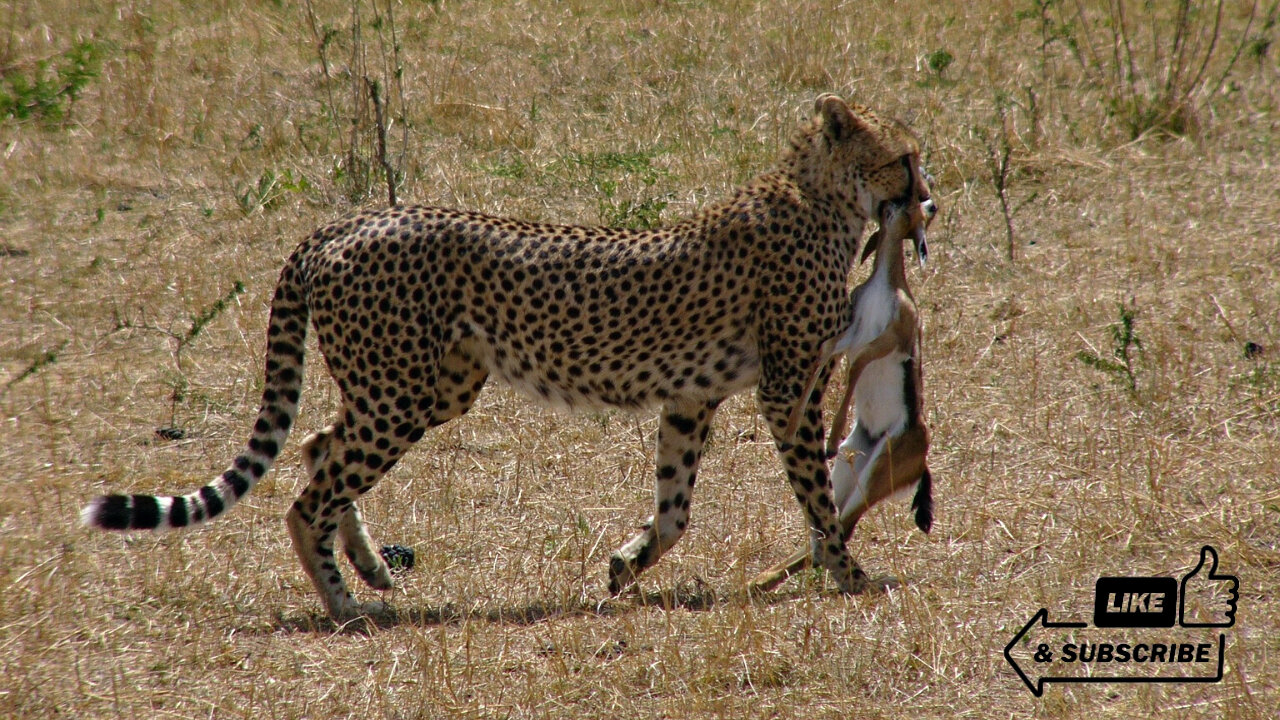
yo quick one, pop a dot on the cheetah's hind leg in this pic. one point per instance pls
(371, 568)
(459, 382)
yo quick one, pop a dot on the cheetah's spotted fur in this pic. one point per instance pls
(415, 308)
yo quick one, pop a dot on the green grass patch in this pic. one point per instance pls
(49, 89)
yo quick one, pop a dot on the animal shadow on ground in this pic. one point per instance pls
(696, 596)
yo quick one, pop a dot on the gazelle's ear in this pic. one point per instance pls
(873, 243)
(838, 120)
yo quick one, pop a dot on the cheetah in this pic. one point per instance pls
(414, 308)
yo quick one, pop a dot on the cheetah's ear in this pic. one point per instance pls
(837, 119)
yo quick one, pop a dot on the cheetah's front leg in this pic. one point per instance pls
(682, 432)
(805, 463)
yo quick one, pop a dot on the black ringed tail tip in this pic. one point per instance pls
(123, 512)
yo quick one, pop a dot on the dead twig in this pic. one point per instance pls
(382, 141)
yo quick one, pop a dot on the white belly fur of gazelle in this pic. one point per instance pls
(881, 408)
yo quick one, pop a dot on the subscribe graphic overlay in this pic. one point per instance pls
(1144, 630)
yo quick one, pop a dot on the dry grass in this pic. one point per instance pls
(125, 220)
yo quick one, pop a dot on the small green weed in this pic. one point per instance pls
(270, 190)
(599, 164)
(939, 60)
(999, 146)
(207, 315)
(643, 214)
(1259, 45)
(42, 361)
(514, 170)
(178, 382)
(1125, 344)
(604, 170)
(1053, 26)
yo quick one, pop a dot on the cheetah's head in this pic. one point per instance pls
(854, 159)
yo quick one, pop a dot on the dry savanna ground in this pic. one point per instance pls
(1103, 402)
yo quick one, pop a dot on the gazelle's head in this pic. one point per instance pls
(909, 213)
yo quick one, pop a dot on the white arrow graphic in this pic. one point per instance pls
(1174, 656)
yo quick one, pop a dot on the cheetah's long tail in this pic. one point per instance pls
(286, 338)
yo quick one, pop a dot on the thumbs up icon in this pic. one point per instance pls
(1208, 599)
